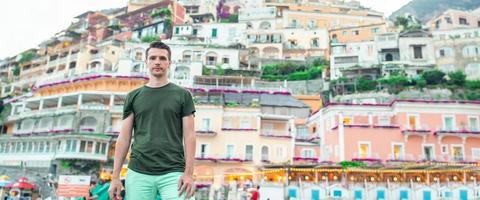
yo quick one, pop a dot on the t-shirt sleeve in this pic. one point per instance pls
(128, 106)
(188, 106)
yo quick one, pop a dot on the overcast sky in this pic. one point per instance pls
(26, 23)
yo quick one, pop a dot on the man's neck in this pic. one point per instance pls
(155, 82)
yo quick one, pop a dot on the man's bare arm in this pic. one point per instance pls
(186, 182)
(190, 142)
(121, 150)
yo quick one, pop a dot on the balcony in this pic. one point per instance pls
(386, 126)
(275, 133)
(457, 132)
(305, 159)
(307, 138)
(400, 158)
(87, 129)
(229, 158)
(224, 158)
(421, 129)
(96, 107)
(79, 155)
(206, 133)
(239, 129)
(371, 158)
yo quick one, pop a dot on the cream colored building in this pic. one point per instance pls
(454, 19)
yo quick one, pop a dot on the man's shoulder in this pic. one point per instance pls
(135, 91)
(179, 88)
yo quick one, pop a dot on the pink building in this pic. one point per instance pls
(405, 130)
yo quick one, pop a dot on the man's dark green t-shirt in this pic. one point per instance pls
(157, 147)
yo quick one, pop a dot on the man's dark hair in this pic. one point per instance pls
(159, 45)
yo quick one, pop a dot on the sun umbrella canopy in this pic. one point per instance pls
(3, 183)
(21, 184)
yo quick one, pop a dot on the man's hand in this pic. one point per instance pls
(185, 185)
(115, 188)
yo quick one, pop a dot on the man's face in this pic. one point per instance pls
(158, 62)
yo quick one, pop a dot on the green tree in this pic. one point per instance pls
(395, 83)
(434, 77)
(473, 84)
(457, 78)
(219, 70)
(420, 82)
(16, 71)
(364, 84)
(151, 38)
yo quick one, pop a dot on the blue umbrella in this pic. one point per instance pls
(3, 183)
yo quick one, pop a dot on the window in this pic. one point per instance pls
(445, 52)
(375, 30)
(225, 60)
(315, 43)
(448, 123)
(97, 148)
(89, 148)
(462, 21)
(83, 145)
(398, 152)
(47, 146)
(384, 121)
(104, 148)
(344, 33)
(448, 20)
(72, 65)
(457, 153)
(264, 153)
(473, 70)
(245, 123)
(307, 153)
(206, 124)
(417, 52)
(214, 33)
(473, 124)
(249, 152)
(30, 147)
(177, 30)
(347, 120)
(24, 147)
(475, 153)
(230, 151)
(138, 55)
(471, 51)
(195, 31)
(280, 152)
(364, 150)
(356, 32)
(203, 150)
(294, 23)
(413, 122)
(227, 123)
(442, 53)
(41, 147)
(444, 149)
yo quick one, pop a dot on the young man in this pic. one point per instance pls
(161, 115)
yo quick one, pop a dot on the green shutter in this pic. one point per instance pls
(214, 32)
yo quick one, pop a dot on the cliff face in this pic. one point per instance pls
(427, 9)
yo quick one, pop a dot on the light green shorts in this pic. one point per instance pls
(140, 186)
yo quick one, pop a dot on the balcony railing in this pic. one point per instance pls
(417, 129)
(275, 133)
(206, 132)
(372, 157)
(455, 130)
(229, 158)
(401, 158)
